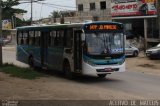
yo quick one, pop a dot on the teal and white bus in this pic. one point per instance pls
(95, 48)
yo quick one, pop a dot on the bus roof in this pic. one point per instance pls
(76, 25)
(43, 27)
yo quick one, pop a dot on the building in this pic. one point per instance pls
(94, 9)
(138, 16)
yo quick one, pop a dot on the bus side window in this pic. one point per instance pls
(52, 37)
(68, 38)
(49, 39)
(61, 38)
(31, 38)
(25, 38)
(20, 38)
(56, 39)
(21, 41)
(37, 38)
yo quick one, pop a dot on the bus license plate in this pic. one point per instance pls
(108, 69)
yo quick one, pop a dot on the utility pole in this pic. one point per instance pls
(31, 1)
(1, 41)
(31, 11)
(158, 15)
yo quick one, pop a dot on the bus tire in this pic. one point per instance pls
(102, 75)
(67, 71)
(31, 62)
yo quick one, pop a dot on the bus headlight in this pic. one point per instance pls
(121, 62)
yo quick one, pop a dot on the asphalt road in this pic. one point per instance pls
(131, 82)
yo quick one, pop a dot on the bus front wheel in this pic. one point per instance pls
(102, 75)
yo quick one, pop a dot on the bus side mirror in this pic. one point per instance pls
(83, 37)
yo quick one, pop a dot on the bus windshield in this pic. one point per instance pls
(104, 43)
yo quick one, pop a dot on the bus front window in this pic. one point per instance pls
(104, 43)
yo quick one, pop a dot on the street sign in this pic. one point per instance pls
(6, 24)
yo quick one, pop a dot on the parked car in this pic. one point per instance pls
(131, 50)
(154, 52)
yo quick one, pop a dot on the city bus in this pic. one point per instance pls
(94, 48)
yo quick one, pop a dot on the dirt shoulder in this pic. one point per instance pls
(143, 64)
(55, 88)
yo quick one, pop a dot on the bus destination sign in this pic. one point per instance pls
(101, 27)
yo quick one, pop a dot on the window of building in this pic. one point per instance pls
(80, 7)
(103, 5)
(92, 6)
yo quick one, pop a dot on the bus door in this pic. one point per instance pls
(77, 51)
(44, 48)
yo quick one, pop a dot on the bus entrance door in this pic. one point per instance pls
(77, 51)
(44, 49)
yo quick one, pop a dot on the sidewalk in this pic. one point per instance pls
(9, 46)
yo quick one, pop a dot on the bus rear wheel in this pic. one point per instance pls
(102, 75)
(67, 71)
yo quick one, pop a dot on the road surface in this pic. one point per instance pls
(128, 85)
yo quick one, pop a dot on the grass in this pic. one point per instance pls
(25, 73)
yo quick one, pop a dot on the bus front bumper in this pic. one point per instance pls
(88, 69)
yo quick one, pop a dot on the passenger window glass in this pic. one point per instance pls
(20, 38)
(69, 38)
(52, 38)
(37, 38)
(31, 38)
(25, 38)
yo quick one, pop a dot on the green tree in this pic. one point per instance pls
(58, 14)
(8, 11)
(55, 14)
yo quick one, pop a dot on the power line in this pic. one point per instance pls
(56, 5)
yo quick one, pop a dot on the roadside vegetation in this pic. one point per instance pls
(25, 73)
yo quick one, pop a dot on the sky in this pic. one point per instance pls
(44, 10)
